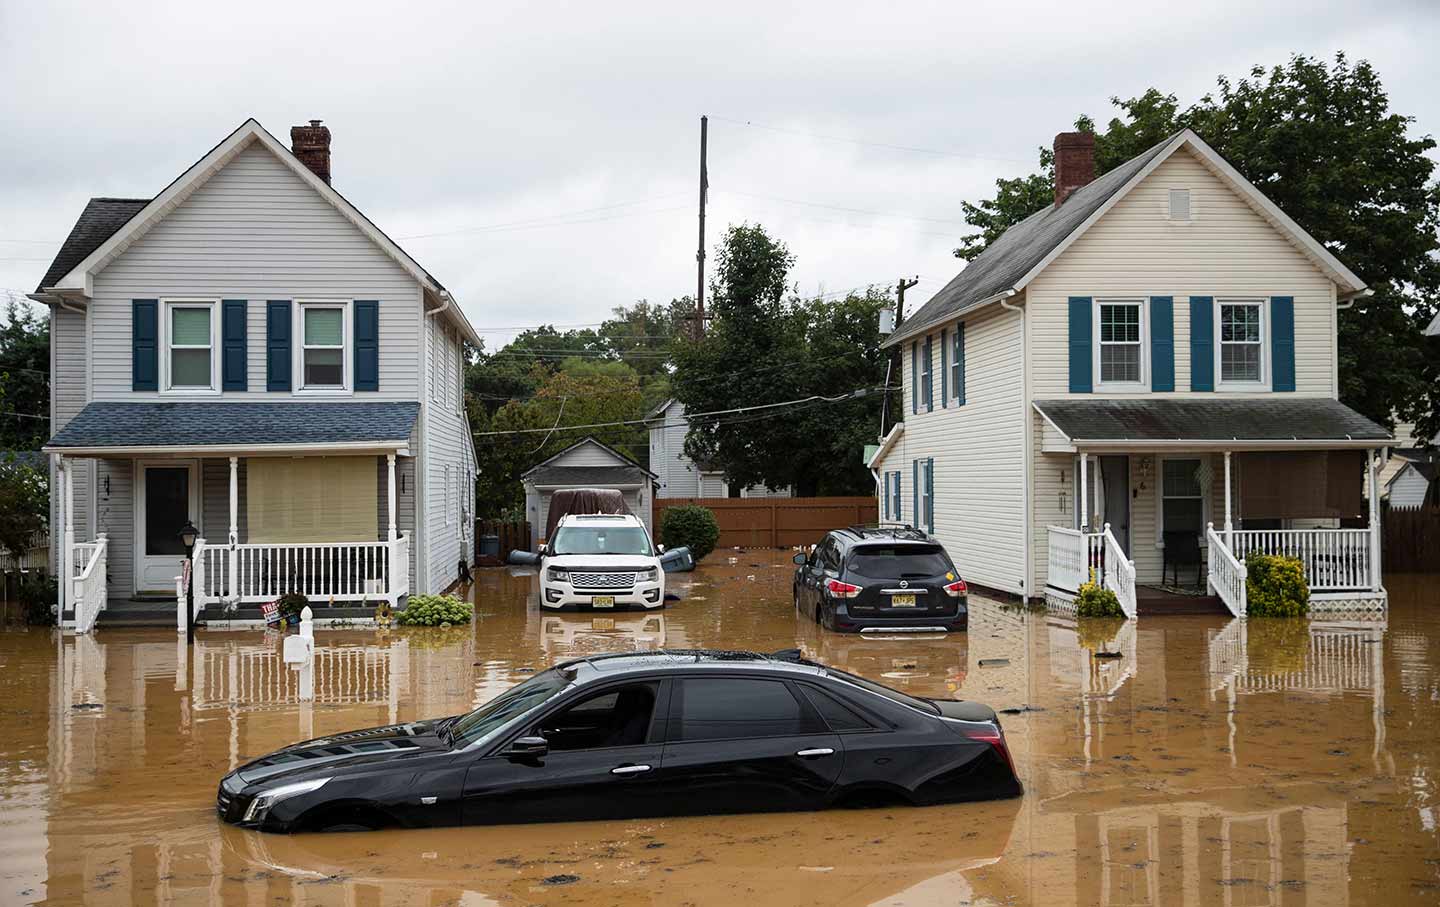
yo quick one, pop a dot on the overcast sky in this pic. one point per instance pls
(540, 159)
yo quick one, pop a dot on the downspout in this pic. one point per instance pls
(1027, 580)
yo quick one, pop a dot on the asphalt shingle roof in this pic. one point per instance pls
(588, 476)
(1021, 248)
(1166, 419)
(219, 424)
(97, 223)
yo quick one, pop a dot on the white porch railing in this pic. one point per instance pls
(1073, 554)
(1226, 572)
(87, 584)
(321, 571)
(1118, 572)
(1333, 559)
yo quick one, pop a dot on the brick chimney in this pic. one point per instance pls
(311, 145)
(1074, 163)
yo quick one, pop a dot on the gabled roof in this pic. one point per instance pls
(1155, 422)
(886, 443)
(588, 476)
(659, 409)
(581, 443)
(1434, 328)
(1008, 264)
(100, 243)
(1423, 468)
(111, 427)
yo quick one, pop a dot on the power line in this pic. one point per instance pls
(893, 147)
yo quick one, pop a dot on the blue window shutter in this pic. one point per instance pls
(1202, 343)
(1081, 349)
(232, 345)
(367, 345)
(915, 377)
(930, 495)
(899, 508)
(915, 491)
(1282, 342)
(887, 496)
(277, 345)
(960, 363)
(944, 369)
(145, 344)
(929, 372)
(1162, 343)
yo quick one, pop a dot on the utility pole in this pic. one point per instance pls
(700, 249)
(900, 288)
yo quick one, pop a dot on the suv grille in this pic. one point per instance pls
(602, 580)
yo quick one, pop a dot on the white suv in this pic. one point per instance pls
(601, 562)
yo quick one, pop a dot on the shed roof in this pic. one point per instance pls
(587, 476)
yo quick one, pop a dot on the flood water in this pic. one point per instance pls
(1206, 761)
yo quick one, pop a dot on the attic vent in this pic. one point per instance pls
(1180, 204)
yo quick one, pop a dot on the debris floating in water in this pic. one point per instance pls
(564, 878)
(994, 662)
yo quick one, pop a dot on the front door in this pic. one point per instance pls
(1114, 495)
(167, 496)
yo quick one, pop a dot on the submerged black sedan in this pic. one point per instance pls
(637, 734)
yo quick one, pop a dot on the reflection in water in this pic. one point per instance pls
(1187, 760)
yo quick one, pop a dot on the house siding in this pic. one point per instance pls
(446, 446)
(978, 448)
(677, 475)
(69, 392)
(1226, 250)
(256, 232)
(1409, 489)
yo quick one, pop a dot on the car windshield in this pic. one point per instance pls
(880, 690)
(899, 560)
(514, 702)
(601, 540)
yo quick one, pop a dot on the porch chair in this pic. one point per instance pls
(1182, 549)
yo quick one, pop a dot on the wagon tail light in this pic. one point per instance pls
(838, 589)
(957, 588)
(992, 735)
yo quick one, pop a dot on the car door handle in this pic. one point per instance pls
(629, 769)
(816, 753)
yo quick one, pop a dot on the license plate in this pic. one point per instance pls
(602, 623)
(607, 601)
(902, 601)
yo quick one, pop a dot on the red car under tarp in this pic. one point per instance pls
(582, 500)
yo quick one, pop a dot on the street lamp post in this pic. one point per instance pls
(188, 534)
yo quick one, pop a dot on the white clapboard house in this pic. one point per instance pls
(247, 352)
(1142, 375)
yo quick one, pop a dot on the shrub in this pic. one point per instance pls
(1095, 601)
(690, 526)
(38, 594)
(292, 603)
(1275, 586)
(434, 611)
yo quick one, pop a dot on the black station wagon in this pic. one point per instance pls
(637, 734)
(881, 579)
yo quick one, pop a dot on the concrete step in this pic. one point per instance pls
(1179, 604)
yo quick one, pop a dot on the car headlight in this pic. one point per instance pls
(648, 576)
(259, 807)
(559, 575)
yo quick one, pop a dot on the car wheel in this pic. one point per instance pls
(345, 818)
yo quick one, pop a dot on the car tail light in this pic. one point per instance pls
(956, 589)
(838, 589)
(992, 735)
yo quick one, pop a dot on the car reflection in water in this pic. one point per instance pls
(931, 665)
(565, 636)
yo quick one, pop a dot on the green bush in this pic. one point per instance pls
(38, 594)
(1095, 601)
(692, 527)
(1275, 586)
(292, 603)
(434, 611)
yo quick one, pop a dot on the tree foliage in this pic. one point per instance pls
(767, 345)
(1319, 139)
(24, 378)
(24, 503)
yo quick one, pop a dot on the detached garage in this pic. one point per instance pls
(586, 464)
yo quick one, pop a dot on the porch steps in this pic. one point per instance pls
(137, 613)
(322, 612)
(1155, 602)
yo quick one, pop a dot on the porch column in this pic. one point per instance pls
(1370, 458)
(390, 492)
(1082, 503)
(67, 525)
(1229, 527)
(233, 584)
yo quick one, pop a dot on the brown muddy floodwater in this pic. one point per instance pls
(1211, 762)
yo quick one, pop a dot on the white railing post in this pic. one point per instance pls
(1374, 540)
(1225, 573)
(1083, 502)
(197, 575)
(1229, 525)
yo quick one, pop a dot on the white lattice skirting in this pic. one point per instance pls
(1058, 601)
(1350, 605)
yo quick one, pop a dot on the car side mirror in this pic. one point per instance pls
(527, 748)
(660, 548)
(543, 550)
(800, 559)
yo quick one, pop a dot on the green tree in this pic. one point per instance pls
(24, 378)
(24, 503)
(1320, 140)
(765, 345)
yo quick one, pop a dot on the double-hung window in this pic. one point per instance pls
(957, 363)
(1121, 335)
(1182, 496)
(191, 363)
(324, 332)
(1241, 348)
(927, 368)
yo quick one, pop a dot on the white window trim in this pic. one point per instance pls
(165, 307)
(957, 372)
(1160, 498)
(1264, 384)
(1143, 304)
(927, 373)
(347, 352)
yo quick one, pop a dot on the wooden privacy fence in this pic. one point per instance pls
(1410, 540)
(514, 535)
(776, 522)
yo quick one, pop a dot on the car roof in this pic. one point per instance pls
(600, 519)
(855, 535)
(602, 667)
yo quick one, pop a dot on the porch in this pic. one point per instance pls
(1169, 496)
(330, 520)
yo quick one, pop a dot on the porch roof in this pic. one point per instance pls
(115, 428)
(1303, 422)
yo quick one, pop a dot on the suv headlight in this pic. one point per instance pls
(558, 575)
(648, 576)
(259, 808)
